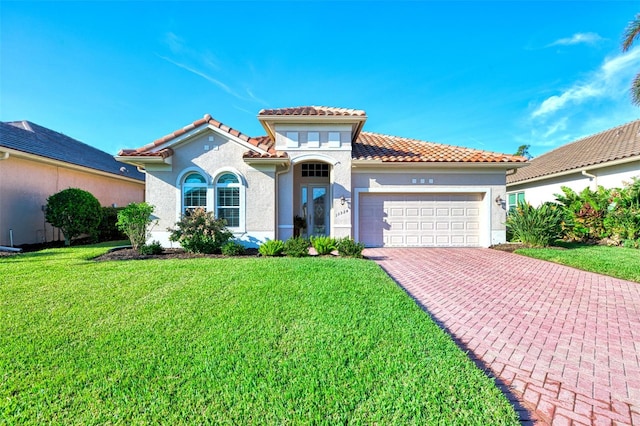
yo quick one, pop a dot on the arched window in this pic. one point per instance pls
(194, 192)
(228, 199)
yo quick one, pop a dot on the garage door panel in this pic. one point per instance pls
(412, 226)
(446, 220)
(458, 226)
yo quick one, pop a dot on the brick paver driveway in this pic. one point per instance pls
(566, 342)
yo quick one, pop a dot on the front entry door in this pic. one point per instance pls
(318, 213)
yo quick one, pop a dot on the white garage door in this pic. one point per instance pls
(420, 220)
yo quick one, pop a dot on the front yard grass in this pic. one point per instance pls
(617, 262)
(226, 341)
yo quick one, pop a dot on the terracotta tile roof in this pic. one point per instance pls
(313, 110)
(614, 144)
(34, 139)
(394, 149)
(262, 142)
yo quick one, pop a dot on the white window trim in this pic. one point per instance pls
(242, 185)
(180, 195)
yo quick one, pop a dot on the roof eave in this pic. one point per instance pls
(267, 161)
(577, 170)
(142, 161)
(6, 153)
(268, 121)
(437, 164)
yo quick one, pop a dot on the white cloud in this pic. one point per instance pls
(608, 81)
(203, 75)
(578, 38)
(554, 128)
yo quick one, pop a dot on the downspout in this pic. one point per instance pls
(591, 177)
(286, 170)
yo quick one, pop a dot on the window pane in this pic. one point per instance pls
(231, 215)
(228, 197)
(228, 178)
(195, 197)
(195, 178)
(520, 197)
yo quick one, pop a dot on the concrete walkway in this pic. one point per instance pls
(564, 341)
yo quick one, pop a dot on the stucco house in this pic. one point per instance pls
(609, 159)
(36, 162)
(319, 164)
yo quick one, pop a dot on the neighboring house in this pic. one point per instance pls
(609, 159)
(36, 162)
(317, 163)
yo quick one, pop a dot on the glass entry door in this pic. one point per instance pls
(318, 212)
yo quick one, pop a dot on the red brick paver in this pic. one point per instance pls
(565, 342)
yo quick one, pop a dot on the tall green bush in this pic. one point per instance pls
(584, 213)
(134, 220)
(75, 211)
(536, 227)
(610, 215)
(108, 228)
(201, 232)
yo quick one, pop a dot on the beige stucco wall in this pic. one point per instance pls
(25, 185)
(536, 193)
(211, 154)
(488, 182)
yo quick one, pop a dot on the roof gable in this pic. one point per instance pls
(161, 147)
(31, 138)
(618, 143)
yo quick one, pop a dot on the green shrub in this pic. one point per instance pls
(537, 227)
(201, 232)
(271, 248)
(584, 213)
(631, 243)
(75, 212)
(349, 247)
(134, 220)
(297, 247)
(323, 244)
(107, 229)
(153, 248)
(233, 248)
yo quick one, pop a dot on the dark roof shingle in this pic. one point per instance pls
(34, 139)
(614, 144)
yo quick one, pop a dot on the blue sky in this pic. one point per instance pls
(485, 75)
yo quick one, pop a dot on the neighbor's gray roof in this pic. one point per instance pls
(31, 138)
(615, 144)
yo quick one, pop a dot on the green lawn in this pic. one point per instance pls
(617, 262)
(226, 341)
